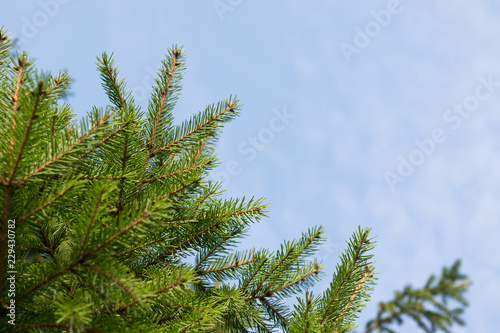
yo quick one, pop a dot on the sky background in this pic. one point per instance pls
(351, 116)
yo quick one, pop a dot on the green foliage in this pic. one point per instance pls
(119, 230)
(429, 307)
(335, 310)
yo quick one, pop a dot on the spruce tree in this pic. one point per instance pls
(115, 226)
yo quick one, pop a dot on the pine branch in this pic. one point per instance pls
(352, 262)
(124, 160)
(312, 238)
(254, 274)
(46, 280)
(213, 119)
(219, 220)
(22, 63)
(114, 87)
(114, 279)
(110, 136)
(198, 153)
(284, 271)
(268, 275)
(177, 172)
(91, 222)
(366, 274)
(229, 267)
(90, 284)
(429, 306)
(164, 89)
(38, 94)
(45, 205)
(58, 157)
(269, 292)
(215, 248)
(274, 310)
(133, 224)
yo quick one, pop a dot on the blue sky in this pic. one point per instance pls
(373, 113)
